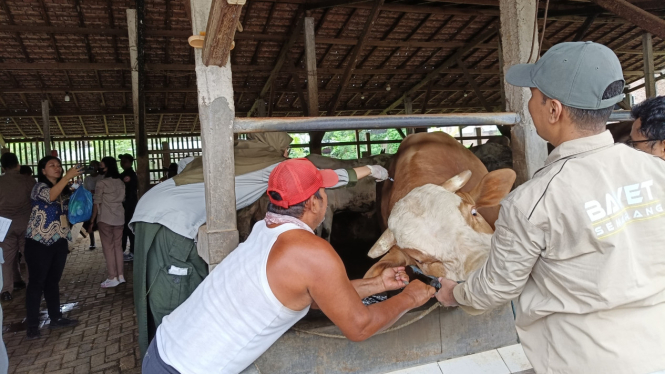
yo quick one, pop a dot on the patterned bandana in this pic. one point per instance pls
(278, 219)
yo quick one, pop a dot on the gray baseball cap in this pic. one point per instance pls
(575, 73)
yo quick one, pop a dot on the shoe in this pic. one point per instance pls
(121, 279)
(6, 296)
(128, 257)
(92, 247)
(62, 323)
(33, 333)
(19, 285)
(110, 283)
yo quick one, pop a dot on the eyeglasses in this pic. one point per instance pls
(631, 143)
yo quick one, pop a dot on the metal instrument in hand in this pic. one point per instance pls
(415, 273)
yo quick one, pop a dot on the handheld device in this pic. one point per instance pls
(415, 273)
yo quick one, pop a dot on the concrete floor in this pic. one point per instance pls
(105, 341)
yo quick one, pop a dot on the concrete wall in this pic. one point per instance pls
(445, 333)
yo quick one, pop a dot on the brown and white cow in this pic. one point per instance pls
(440, 209)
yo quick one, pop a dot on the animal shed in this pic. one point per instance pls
(80, 48)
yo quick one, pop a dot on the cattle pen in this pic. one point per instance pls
(91, 77)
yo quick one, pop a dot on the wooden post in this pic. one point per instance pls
(166, 157)
(138, 102)
(216, 113)
(47, 128)
(310, 57)
(260, 107)
(517, 33)
(649, 70)
(408, 109)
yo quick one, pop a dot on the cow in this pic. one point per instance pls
(360, 198)
(440, 210)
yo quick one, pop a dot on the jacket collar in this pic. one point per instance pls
(12, 171)
(581, 145)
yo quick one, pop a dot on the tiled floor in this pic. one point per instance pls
(103, 342)
(506, 360)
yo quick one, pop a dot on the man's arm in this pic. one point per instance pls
(389, 280)
(516, 246)
(337, 297)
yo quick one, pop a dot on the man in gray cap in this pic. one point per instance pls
(579, 246)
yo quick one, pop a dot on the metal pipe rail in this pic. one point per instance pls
(295, 124)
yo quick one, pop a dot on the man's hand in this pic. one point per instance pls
(419, 292)
(394, 278)
(445, 294)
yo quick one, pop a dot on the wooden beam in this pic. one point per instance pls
(88, 47)
(18, 127)
(635, 15)
(57, 121)
(353, 59)
(177, 125)
(47, 128)
(39, 127)
(85, 131)
(581, 32)
(649, 70)
(473, 84)
(17, 36)
(220, 31)
(281, 59)
(459, 53)
(312, 80)
(47, 20)
(106, 125)
(517, 41)
(194, 123)
(159, 125)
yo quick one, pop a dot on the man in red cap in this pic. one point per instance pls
(269, 283)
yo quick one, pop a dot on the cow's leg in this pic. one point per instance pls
(395, 257)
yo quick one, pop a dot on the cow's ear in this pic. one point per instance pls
(493, 187)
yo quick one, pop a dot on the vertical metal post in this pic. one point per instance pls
(517, 39)
(216, 114)
(47, 128)
(649, 69)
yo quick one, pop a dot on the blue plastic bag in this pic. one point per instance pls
(80, 206)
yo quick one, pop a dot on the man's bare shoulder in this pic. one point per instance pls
(305, 247)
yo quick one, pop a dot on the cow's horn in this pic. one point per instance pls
(383, 245)
(455, 183)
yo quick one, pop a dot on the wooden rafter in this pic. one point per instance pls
(339, 34)
(85, 131)
(353, 60)
(47, 20)
(88, 47)
(582, 31)
(295, 32)
(106, 125)
(636, 15)
(17, 35)
(159, 125)
(194, 123)
(177, 125)
(19, 128)
(57, 121)
(484, 35)
(271, 14)
(39, 127)
(474, 84)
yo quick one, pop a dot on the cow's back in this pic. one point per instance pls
(426, 158)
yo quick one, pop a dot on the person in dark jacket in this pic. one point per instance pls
(131, 199)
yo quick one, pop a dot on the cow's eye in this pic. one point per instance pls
(474, 212)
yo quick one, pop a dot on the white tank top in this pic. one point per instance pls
(232, 317)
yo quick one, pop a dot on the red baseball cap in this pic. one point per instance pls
(296, 180)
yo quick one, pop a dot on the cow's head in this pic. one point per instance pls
(439, 228)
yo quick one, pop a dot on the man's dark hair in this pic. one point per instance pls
(26, 170)
(651, 113)
(295, 211)
(593, 120)
(8, 161)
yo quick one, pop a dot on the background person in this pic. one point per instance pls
(131, 181)
(110, 217)
(648, 131)
(26, 170)
(15, 205)
(580, 244)
(270, 282)
(89, 182)
(46, 244)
